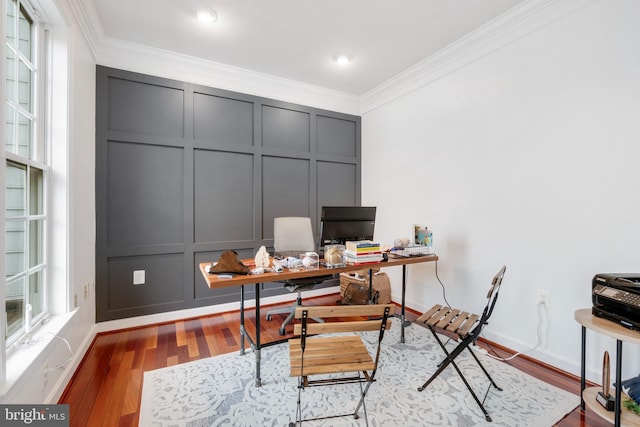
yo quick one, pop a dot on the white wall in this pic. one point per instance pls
(527, 157)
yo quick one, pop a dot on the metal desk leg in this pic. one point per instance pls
(582, 367)
(371, 286)
(257, 346)
(404, 289)
(618, 382)
(242, 330)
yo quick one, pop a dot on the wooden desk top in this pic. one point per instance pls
(238, 279)
(606, 327)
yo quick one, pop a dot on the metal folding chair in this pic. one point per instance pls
(465, 328)
(336, 359)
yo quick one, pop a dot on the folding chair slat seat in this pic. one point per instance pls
(342, 354)
(446, 320)
(463, 318)
(464, 328)
(467, 324)
(320, 355)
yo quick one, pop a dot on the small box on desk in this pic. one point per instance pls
(334, 256)
(310, 261)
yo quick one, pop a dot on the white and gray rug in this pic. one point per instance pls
(220, 391)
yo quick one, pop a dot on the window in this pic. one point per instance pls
(25, 174)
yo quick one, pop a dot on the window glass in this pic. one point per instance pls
(25, 34)
(11, 20)
(15, 247)
(24, 86)
(36, 191)
(10, 126)
(11, 74)
(36, 237)
(24, 136)
(15, 306)
(16, 190)
(36, 294)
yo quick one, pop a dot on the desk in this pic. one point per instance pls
(619, 416)
(214, 282)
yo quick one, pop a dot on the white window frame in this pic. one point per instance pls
(41, 149)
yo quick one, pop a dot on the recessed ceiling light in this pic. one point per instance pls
(208, 16)
(342, 60)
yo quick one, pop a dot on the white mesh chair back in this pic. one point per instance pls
(292, 233)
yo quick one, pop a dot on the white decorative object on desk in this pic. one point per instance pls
(262, 258)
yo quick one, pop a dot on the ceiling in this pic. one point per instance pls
(299, 39)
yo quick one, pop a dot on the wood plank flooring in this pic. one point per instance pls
(106, 388)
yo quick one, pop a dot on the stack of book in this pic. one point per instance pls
(362, 252)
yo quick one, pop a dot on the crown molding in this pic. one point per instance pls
(86, 18)
(149, 60)
(129, 56)
(526, 18)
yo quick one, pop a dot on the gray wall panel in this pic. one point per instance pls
(332, 190)
(163, 279)
(223, 196)
(144, 189)
(285, 128)
(184, 172)
(145, 108)
(286, 190)
(222, 120)
(336, 136)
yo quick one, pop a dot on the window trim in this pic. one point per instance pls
(38, 158)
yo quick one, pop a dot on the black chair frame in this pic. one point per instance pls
(438, 318)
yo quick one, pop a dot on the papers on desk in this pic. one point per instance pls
(290, 262)
(411, 251)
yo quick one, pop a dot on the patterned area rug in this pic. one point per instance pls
(220, 391)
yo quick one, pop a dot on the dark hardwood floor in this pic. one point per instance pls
(106, 388)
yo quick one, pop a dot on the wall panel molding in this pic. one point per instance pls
(185, 172)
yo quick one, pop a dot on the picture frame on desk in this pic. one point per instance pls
(420, 235)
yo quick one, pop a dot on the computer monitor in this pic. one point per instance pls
(339, 224)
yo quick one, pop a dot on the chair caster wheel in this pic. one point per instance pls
(282, 332)
(420, 388)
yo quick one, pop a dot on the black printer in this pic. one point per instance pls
(616, 296)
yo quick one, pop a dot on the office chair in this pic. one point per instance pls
(293, 236)
(465, 328)
(337, 359)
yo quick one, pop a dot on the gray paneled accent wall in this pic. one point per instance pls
(184, 172)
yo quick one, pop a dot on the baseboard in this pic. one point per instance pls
(172, 316)
(65, 379)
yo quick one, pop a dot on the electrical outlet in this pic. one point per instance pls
(542, 297)
(139, 277)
